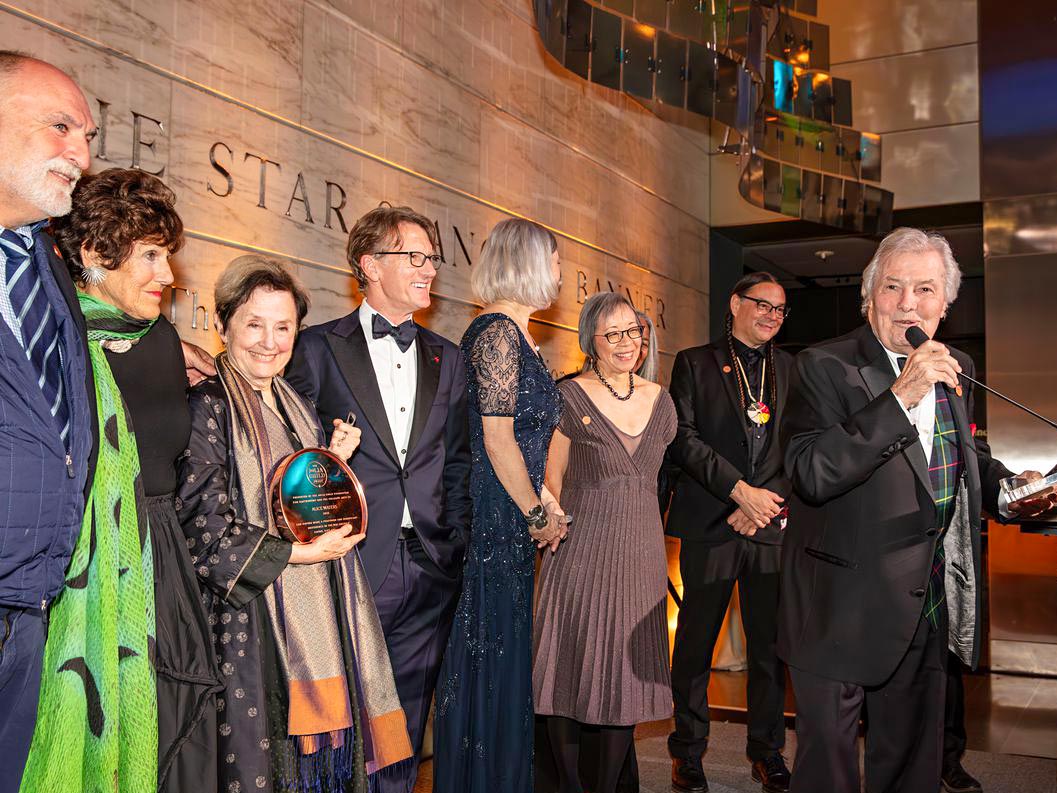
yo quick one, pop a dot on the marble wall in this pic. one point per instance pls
(279, 122)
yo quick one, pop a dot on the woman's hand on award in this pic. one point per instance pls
(330, 545)
(345, 440)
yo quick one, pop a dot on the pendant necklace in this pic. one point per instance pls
(757, 410)
(613, 391)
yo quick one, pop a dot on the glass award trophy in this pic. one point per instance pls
(314, 491)
(1017, 488)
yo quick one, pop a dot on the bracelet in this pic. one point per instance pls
(537, 517)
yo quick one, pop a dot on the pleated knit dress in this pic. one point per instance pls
(600, 635)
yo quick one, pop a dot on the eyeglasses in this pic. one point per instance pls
(764, 307)
(417, 258)
(614, 336)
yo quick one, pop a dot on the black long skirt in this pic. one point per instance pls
(188, 678)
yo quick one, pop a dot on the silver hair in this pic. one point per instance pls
(648, 370)
(910, 240)
(515, 265)
(598, 307)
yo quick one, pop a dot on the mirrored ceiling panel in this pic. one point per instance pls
(798, 153)
(607, 51)
(639, 63)
(671, 70)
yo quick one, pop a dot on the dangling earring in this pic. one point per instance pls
(93, 275)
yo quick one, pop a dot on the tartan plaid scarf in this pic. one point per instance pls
(945, 467)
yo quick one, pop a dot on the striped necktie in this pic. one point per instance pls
(40, 329)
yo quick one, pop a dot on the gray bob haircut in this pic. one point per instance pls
(648, 370)
(910, 240)
(598, 307)
(515, 265)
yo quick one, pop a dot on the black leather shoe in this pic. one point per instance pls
(957, 780)
(772, 773)
(687, 777)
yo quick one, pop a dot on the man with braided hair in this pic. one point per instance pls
(727, 512)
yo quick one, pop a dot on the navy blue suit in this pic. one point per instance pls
(43, 489)
(415, 576)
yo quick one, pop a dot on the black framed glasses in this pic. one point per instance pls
(764, 307)
(417, 258)
(614, 336)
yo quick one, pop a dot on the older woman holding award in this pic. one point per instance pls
(309, 701)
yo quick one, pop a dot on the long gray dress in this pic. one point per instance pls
(600, 636)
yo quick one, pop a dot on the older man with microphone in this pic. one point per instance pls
(881, 568)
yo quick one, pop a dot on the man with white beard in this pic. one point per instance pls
(45, 409)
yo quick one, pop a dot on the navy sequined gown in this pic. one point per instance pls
(484, 718)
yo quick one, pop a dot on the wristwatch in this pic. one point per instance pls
(537, 517)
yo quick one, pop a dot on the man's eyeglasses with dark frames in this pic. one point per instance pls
(764, 307)
(614, 336)
(417, 258)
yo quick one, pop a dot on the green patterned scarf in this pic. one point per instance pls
(97, 722)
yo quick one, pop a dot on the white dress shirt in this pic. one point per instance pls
(922, 415)
(397, 375)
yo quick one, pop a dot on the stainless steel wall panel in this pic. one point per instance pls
(861, 30)
(639, 63)
(652, 12)
(578, 38)
(1021, 360)
(1021, 225)
(701, 80)
(686, 18)
(924, 89)
(928, 167)
(607, 48)
(671, 70)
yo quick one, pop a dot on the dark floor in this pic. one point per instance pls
(1004, 714)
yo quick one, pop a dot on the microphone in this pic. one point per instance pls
(916, 337)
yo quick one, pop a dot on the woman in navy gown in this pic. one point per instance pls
(484, 719)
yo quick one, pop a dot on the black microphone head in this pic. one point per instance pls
(916, 336)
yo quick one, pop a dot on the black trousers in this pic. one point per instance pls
(709, 573)
(904, 736)
(954, 713)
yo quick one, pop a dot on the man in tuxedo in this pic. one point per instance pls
(730, 399)
(406, 387)
(881, 562)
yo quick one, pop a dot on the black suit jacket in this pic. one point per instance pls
(332, 367)
(711, 448)
(861, 536)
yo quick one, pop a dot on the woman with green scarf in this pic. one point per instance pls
(129, 680)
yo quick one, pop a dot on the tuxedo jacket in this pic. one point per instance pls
(711, 446)
(862, 527)
(332, 367)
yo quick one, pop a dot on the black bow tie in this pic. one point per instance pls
(403, 334)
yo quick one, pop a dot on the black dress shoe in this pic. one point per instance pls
(957, 780)
(687, 777)
(772, 773)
